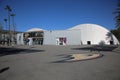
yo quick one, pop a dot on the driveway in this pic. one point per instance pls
(37, 63)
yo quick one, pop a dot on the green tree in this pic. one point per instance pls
(117, 16)
(116, 32)
(7, 7)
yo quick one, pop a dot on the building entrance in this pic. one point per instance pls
(61, 41)
(36, 37)
(38, 41)
(89, 42)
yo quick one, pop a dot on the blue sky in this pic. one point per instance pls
(59, 14)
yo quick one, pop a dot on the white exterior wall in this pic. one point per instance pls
(73, 37)
(94, 34)
(20, 39)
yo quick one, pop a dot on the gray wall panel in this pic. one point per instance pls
(73, 37)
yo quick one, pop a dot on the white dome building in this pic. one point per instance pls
(34, 30)
(95, 34)
(83, 34)
(33, 36)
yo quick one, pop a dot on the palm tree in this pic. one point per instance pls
(6, 31)
(117, 16)
(9, 10)
(5, 23)
(13, 37)
(12, 15)
(116, 32)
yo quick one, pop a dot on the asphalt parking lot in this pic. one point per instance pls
(40, 63)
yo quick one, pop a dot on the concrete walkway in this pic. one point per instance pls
(37, 63)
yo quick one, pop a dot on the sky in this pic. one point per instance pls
(59, 14)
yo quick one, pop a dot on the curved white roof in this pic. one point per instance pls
(88, 26)
(34, 29)
(94, 33)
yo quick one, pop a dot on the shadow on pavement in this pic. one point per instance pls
(98, 48)
(10, 51)
(4, 69)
